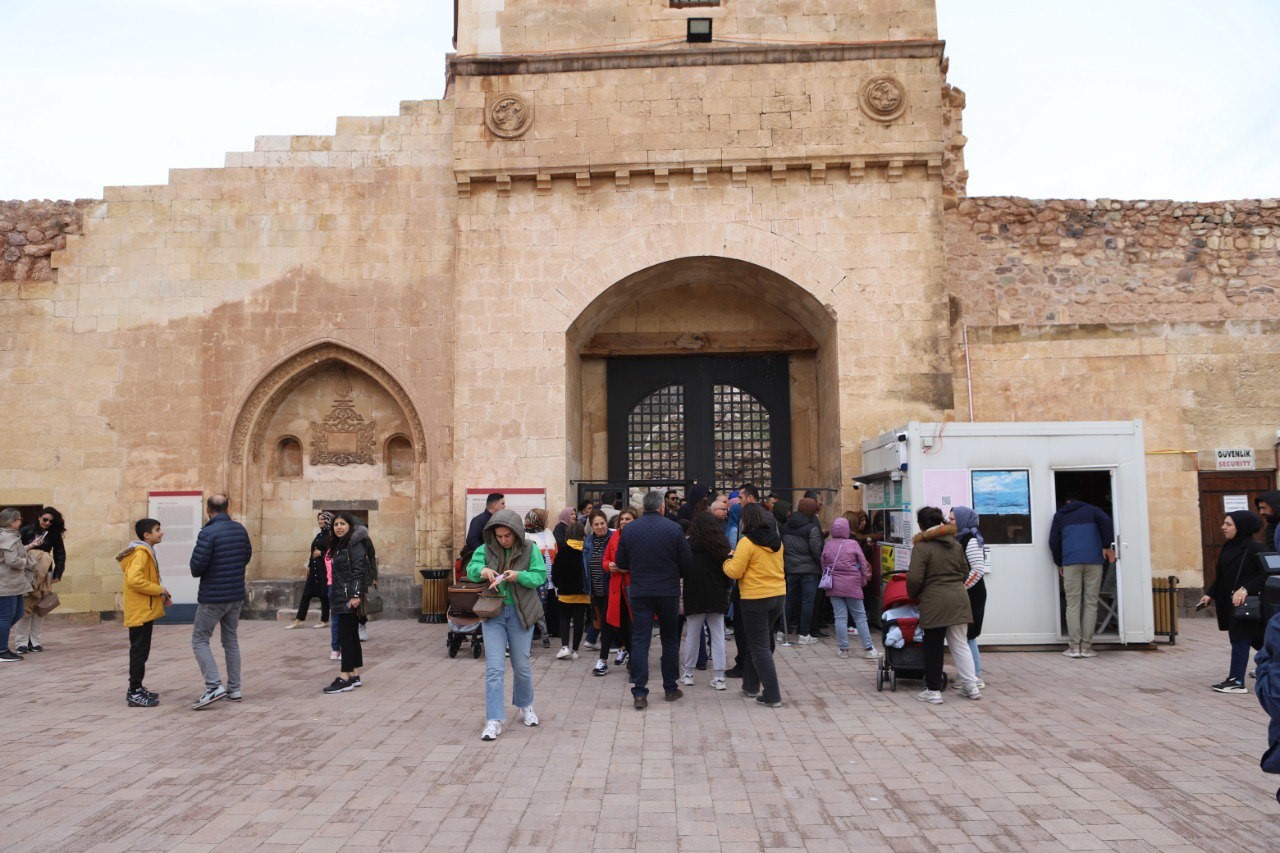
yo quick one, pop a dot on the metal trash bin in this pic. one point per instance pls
(435, 595)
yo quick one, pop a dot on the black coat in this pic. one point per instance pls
(802, 545)
(219, 558)
(52, 543)
(706, 586)
(1237, 567)
(317, 575)
(351, 570)
(567, 572)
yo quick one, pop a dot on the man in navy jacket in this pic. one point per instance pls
(655, 551)
(219, 559)
(1081, 538)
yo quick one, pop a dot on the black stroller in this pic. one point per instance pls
(903, 613)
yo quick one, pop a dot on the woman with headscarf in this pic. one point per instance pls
(514, 567)
(315, 585)
(844, 561)
(975, 551)
(45, 536)
(1237, 576)
(348, 557)
(699, 500)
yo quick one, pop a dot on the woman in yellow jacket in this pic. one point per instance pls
(757, 567)
(144, 601)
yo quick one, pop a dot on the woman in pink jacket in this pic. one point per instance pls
(843, 560)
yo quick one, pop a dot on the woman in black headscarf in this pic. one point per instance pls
(317, 582)
(1238, 575)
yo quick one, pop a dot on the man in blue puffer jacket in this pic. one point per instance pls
(219, 559)
(1081, 538)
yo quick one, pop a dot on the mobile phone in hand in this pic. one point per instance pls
(1202, 605)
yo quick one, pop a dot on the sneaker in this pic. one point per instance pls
(563, 653)
(296, 623)
(140, 699)
(843, 653)
(702, 667)
(546, 642)
(779, 638)
(1231, 685)
(22, 649)
(492, 729)
(601, 668)
(1086, 652)
(36, 647)
(355, 681)
(364, 633)
(820, 635)
(529, 717)
(1253, 673)
(871, 654)
(728, 633)
(339, 685)
(573, 656)
(760, 700)
(751, 695)
(320, 625)
(718, 684)
(621, 657)
(335, 655)
(1072, 651)
(144, 689)
(734, 672)
(587, 644)
(234, 695)
(687, 678)
(7, 656)
(807, 640)
(971, 692)
(933, 697)
(209, 697)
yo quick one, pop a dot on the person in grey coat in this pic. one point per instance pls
(936, 579)
(802, 558)
(17, 568)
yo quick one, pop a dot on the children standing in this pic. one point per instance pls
(144, 602)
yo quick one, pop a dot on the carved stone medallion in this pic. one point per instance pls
(883, 98)
(509, 115)
(344, 437)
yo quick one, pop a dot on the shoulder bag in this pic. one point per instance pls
(828, 580)
(488, 604)
(1251, 609)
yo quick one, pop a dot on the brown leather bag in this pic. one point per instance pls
(488, 604)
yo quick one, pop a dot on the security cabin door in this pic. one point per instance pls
(1096, 486)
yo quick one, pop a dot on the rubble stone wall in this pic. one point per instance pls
(31, 231)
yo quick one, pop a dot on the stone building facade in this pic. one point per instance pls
(440, 300)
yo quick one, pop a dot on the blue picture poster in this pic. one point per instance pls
(1002, 500)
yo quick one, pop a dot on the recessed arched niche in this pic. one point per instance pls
(398, 455)
(288, 458)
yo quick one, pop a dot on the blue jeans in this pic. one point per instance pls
(10, 612)
(1239, 659)
(333, 625)
(843, 607)
(643, 609)
(800, 592)
(499, 633)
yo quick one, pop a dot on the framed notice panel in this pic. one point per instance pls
(518, 500)
(181, 515)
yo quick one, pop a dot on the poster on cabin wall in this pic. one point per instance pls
(519, 501)
(181, 515)
(946, 488)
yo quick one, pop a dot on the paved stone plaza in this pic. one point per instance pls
(1130, 751)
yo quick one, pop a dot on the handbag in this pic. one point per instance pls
(371, 603)
(828, 574)
(47, 604)
(488, 604)
(1251, 610)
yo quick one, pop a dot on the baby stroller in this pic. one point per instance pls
(898, 624)
(463, 622)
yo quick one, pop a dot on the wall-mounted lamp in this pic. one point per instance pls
(698, 30)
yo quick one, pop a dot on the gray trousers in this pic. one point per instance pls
(693, 639)
(209, 616)
(1081, 583)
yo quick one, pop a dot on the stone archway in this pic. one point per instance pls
(325, 397)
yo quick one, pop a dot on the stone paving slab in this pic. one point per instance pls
(1130, 751)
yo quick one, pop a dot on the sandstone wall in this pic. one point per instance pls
(1108, 310)
(543, 26)
(31, 231)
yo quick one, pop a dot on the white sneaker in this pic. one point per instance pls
(687, 678)
(871, 654)
(843, 653)
(971, 692)
(335, 655)
(780, 638)
(587, 644)
(364, 633)
(320, 625)
(573, 656)
(209, 697)
(718, 684)
(529, 717)
(933, 697)
(296, 623)
(806, 640)
(1073, 651)
(621, 657)
(563, 653)
(492, 729)
(1086, 652)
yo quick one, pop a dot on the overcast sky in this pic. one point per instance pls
(1081, 99)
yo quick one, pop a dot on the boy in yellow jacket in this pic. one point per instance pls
(144, 601)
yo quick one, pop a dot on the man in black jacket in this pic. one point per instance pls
(656, 553)
(475, 531)
(219, 559)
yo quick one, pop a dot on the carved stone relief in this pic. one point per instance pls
(883, 98)
(344, 437)
(509, 115)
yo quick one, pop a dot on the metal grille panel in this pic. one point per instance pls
(655, 436)
(743, 439)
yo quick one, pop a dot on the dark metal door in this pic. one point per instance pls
(718, 421)
(1218, 491)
